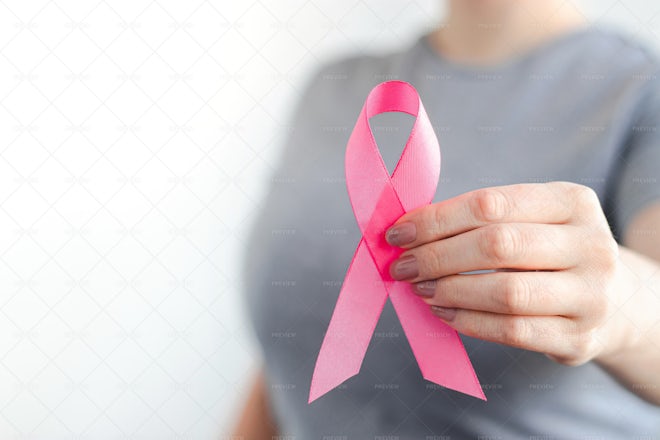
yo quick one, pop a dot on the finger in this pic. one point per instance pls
(516, 293)
(526, 246)
(553, 202)
(554, 335)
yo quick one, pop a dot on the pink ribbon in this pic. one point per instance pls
(378, 200)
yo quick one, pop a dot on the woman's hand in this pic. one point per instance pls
(557, 277)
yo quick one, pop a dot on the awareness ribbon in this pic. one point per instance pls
(379, 199)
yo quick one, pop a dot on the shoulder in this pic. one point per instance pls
(618, 53)
(635, 63)
(614, 40)
(602, 69)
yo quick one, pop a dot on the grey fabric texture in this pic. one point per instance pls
(583, 107)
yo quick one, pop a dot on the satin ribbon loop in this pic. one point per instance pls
(378, 200)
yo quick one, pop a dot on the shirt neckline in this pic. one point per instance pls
(510, 63)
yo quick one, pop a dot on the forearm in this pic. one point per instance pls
(635, 333)
(255, 421)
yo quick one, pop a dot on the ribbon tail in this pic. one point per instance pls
(360, 303)
(437, 347)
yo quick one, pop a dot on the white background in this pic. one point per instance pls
(135, 142)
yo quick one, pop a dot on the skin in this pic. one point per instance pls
(562, 285)
(573, 293)
(486, 32)
(559, 283)
(256, 421)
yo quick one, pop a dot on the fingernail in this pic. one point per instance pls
(404, 268)
(401, 234)
(443, 313)
(424, 288)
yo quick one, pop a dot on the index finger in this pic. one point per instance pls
(520, 203)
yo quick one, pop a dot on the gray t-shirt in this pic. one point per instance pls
(584, 107)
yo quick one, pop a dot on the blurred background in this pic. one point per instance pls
(136, 140)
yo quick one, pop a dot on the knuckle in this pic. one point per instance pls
(500, 243)
(580, 343)
(580, 347)
(601, 248)
(600, 310)
(472, 325)
(444, 293)
(581, 200)
(516, 294)
(569, 360)
(515, 331)
(610, 255)
(604, 259)
(436, 220)
(599, 306)
(430, 259)
(489, 205)
(584, 196)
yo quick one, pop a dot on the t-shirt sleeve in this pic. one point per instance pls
(636, 179)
